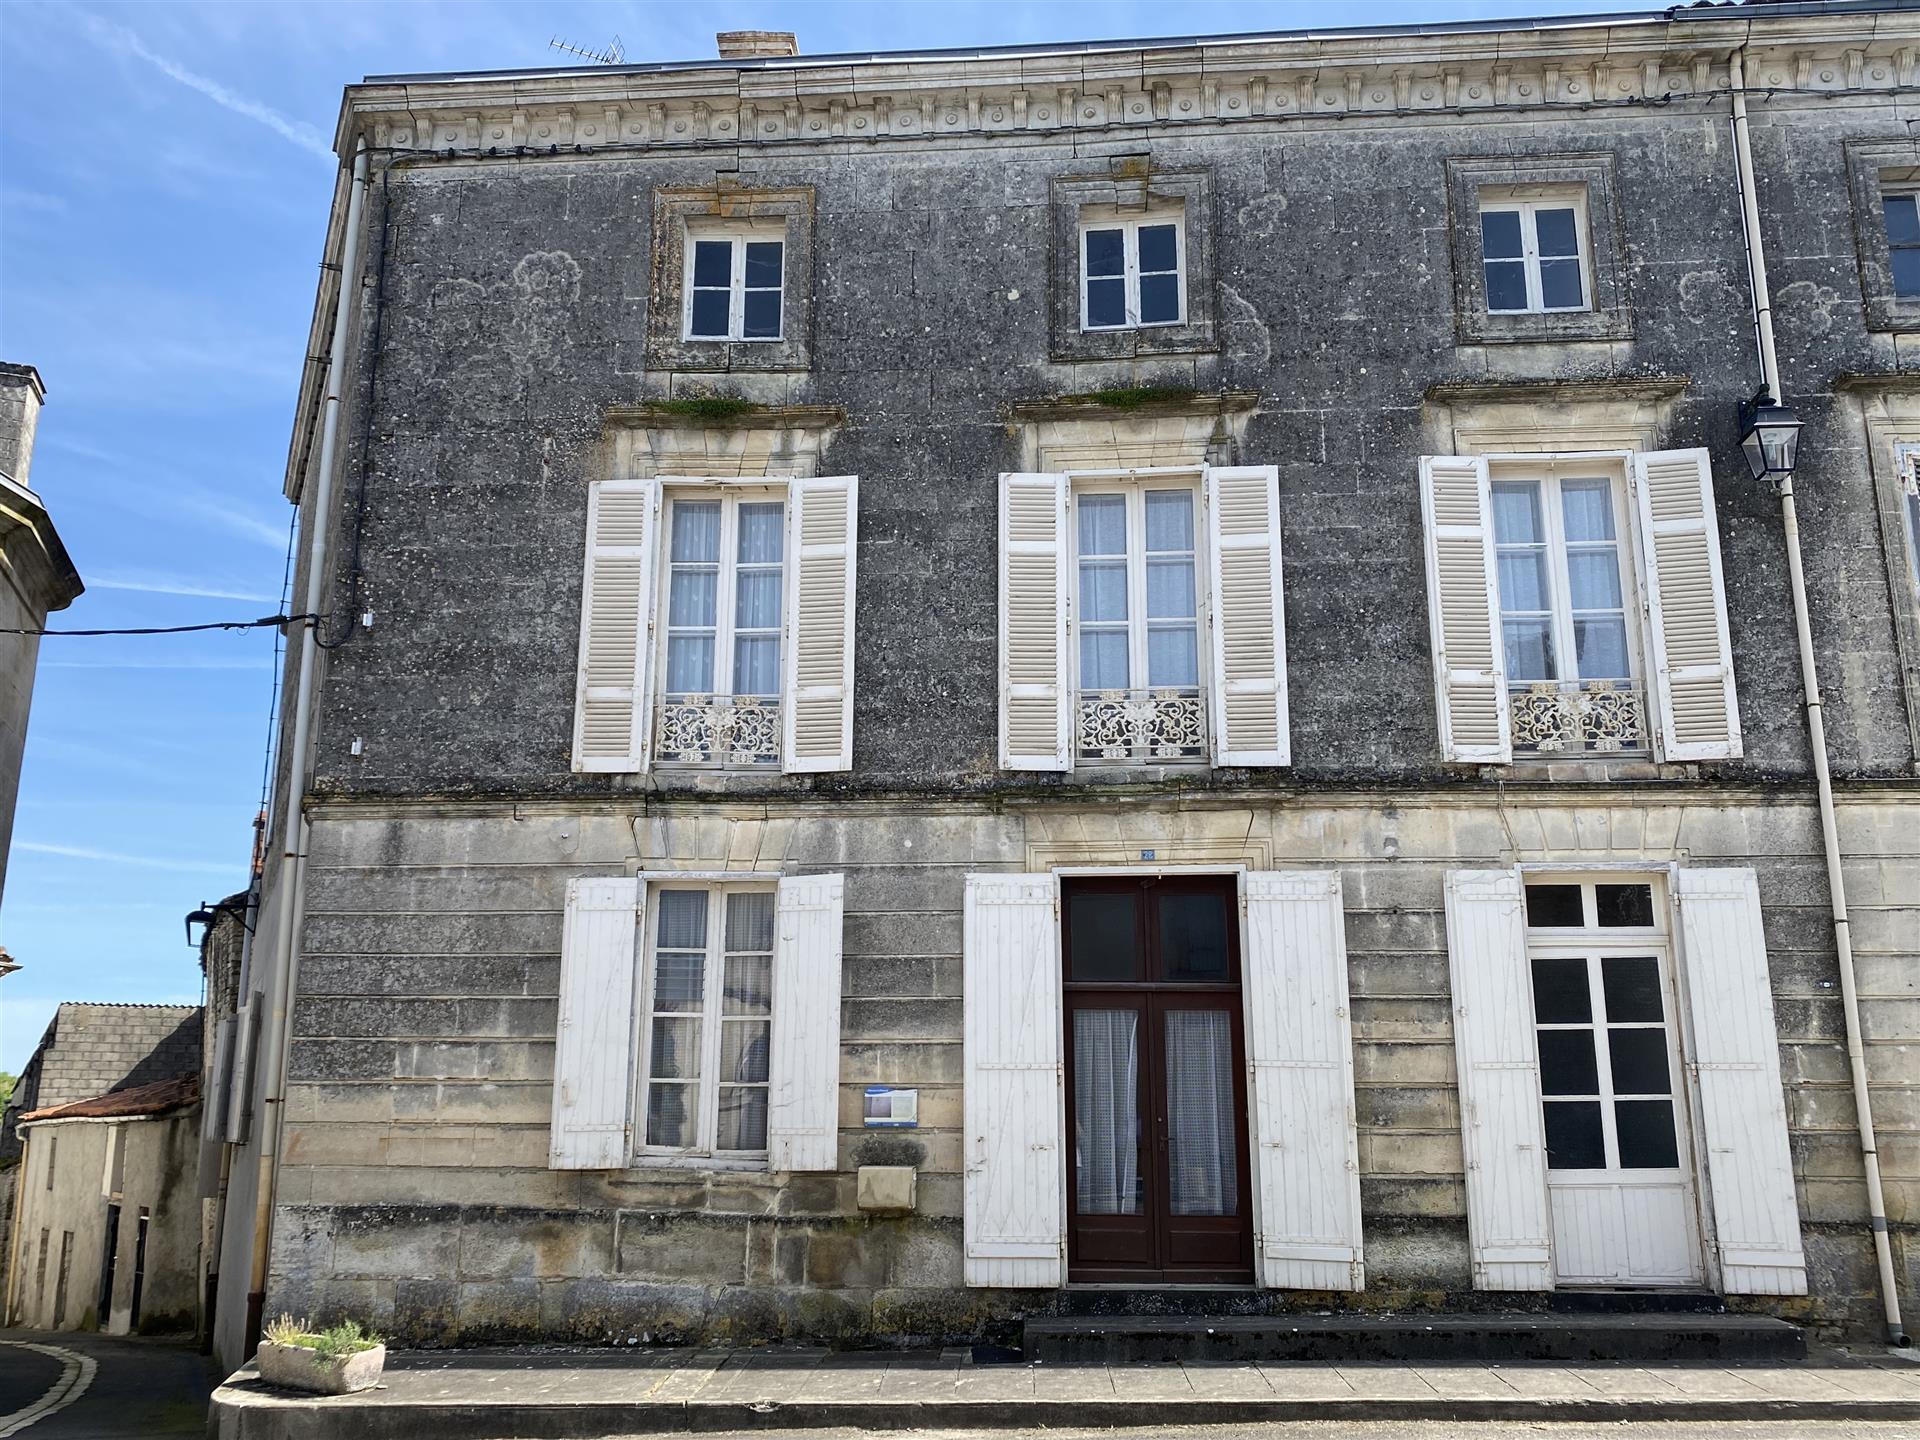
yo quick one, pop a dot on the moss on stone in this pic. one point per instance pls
(707, 409)
(1133, 397)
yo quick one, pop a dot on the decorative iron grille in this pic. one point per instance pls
(1578, 717)
(1143, 727)
(717, 730)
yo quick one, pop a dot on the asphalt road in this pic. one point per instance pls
(138, 1388)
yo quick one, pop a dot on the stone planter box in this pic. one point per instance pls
(299, 1368)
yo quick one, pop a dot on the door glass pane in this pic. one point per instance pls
(1103, 524)
(1173, 656)
(1566, 1063)
(678, 980)
(1169, 520)
(696, 532)
(749, 920)
(757, 599)
(1586, 509)
(743, 1050)
(1556, 905)
(756, 665)
(1106, 1112)
(1103, 660)
(689, 664)
(1529, 649)
(1632, 984)
(743, 1118)
(1647, 1140)
(1102, 937)
(1106, 252)
(749, 985)
(675, 1052)
(1639, 1061)
(762, 532)
(670, 1115)
(1103, 591)
(1169, 589)
(690, 597)
(1159, 299)
(1202, 1168)
(1575, 1139)
(682, 923)
(1593, 579)
(1560, 992)
(1193, 936)
(1516, 513)
(1523, 579)
(1624, 904)
(1600, 647)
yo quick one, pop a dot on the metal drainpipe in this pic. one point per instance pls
(273, 1056)
(1816, 725)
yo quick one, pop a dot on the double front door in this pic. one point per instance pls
(1157, 1187)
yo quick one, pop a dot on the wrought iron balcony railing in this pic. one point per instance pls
(1578, 717)
(717, 730)
(1158, 726)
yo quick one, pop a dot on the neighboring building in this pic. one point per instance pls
(866, 907)
(90, 1050)
(36, 577)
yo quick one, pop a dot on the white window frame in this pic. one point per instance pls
(1129, 226)
(1526, 201)
(702, 1153)
(738, 237)
(1911, 194)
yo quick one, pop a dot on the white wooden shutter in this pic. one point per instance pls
(1015, 1161)
(1463, 607)
(616, 604)
(1035, 696)
(1736, 1062)
(803, 1102)
(1509, 1228)
(1692, 679)
(1247, 623)
(246, 1036)
(818, 725)
(1300, 1052)
(593, 1049)
(213, 1106)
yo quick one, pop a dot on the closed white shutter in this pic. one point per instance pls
(593, 1047)
(1509, 1229)
(1035, 697)
(1463, 607)
(1014, 1158)
(1692, 680)
(1248, 619)
(1300, 1051)
(818, 725)
(1736, 1059)
(803, 1101)
(616, 604)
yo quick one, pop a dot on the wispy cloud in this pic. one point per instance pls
(178, 585)
(12, 197)
(119, 37)
(113, 857)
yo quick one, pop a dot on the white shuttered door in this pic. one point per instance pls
(1692, 666)
(1014, 1160)
(1736, 1057)
(594, 1045)
(1463, 607)
(610, 706)
(818, 724)
(1509, 1227)
(1035, 696)
(1249, 637)
(803, 1103)
(1300, 1050)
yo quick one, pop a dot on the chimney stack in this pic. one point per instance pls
(756, 44)
(21, 395)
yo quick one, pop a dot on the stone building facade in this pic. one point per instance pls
(1077, 460)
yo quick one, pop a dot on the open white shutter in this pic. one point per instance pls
(213, 1107)
(1509, 1228)
(1463, 607)
(1692, 679)
(593, 1050)
(240, 1090)
(1300, 1051)
(1014, 1158)
(1248, 623)
(803, 1102)
(616, 603)
(1035, 697)
(818, 724)
(1736, 1059)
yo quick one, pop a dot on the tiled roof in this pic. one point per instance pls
(155, 1099)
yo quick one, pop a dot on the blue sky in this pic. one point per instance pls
(164, 182)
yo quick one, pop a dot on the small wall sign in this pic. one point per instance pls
(888, 1108)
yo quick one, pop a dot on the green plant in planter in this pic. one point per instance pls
(349, 1337)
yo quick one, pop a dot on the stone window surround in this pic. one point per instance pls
(1872, 165)
(673, 209)
(1131, 187)
(1890, 414)
(1610, 316)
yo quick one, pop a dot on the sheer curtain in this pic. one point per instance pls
(1205, 1177)
(1106, 1111)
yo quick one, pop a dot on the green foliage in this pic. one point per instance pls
(6, 1088)
(1133, 397)
(707, 408)
(349, 1337)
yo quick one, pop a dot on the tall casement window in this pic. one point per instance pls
(1577, 607)
(1909, 459)
(734, 283)
(1535, 254)
(1132, 273)
(1901, 210)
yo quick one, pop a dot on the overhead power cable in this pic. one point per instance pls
(265, 620)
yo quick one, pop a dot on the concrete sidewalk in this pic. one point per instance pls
(538, 1394)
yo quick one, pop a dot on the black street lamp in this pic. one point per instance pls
(1769, 438)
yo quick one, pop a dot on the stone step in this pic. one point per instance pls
(1662, 1335)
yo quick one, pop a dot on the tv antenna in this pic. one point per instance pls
(612, 55)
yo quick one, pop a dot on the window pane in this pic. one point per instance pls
(1173, 656)
(763, 264)
(1203, 1170)
(675, 1054)
(713, 262)
(1169, 520)
(1103, 590)
(743, 1119)
(1103, 524)
(1638, 1059)
(1106, 302)
(1903, 219)
(1103, 660)
(1600, 648)
(1632, 986)
(1193, 936)
(682, 923)
(749, 989)
(1523, 579)
(1647, 1140)
(678, 981)
(1560, 995)
(749, 921)
(1106, 1112)
(761, 318)
(1906, 271)
(1159, 299)
(1560, 287)
(762, 533)
(1516, 513)
(1169, 589)
(1593, 577)
(1529, 650)
(1586, 509)
(1566, 1063)
(756, 665)
(1556, 231)
(696, 532)
(1624, 904)
(1575, 1140)
(743, 1050)
(1159, 248)
(757, 599)
(690, 665)
(690, 596)
(1102, 936)
(670, 1115)
(1500, 234)
(1106, 252)
(1506, 286)
(709, 314)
